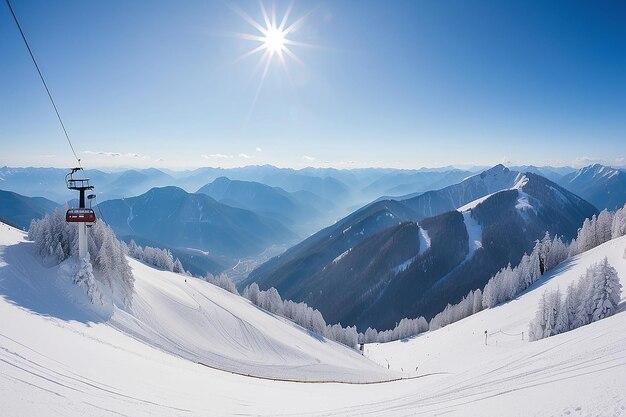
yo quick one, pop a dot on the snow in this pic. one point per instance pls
(60, 357)
(185, 317)
(424, 240)
(517, 183)
(475, 233)
(404, 265)
(520, 182)
(338, 258)
(578, 372)
(474, 203)
(500, 178)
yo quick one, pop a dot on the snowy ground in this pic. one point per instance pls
(58, 357)
(581, 372)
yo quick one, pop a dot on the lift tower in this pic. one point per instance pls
(82, 215)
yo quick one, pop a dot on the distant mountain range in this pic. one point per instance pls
(602, 186)
(259, 209)
(344, 187)
(175, 218)
(301, 211)
(19, 211)
(395, 259)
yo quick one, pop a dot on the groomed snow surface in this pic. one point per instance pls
(61, 357)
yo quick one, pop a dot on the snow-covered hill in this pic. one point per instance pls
(184, 317)
(60, 357)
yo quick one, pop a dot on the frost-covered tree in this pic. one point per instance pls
(618, 227)
(251, 292)
(135, 251)
(552, 308)
(593, 297)
(604, 224)
(57, 240)
(478, 301)
(223, 281)
(606, 289)
(54, 238)
(178, 267)
(537, 327)
(161, 258)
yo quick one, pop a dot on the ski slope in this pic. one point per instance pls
(582, 372)
(188, 318)
(61, 357)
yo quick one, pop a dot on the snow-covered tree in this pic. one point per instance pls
(593, 297)
(161, 258)
(478, 301)
(223, 281)
(604, 224)
(552, 308)
(135, 251)
(618, 228)
(537, 327)
(251, 292)
(178, 267)
(56, 240)
(606, 289)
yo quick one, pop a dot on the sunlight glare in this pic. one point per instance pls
(274, 40)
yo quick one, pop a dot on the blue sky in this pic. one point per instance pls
(396, 84)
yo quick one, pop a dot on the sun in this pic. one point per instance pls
(273, 36)
(274, 40)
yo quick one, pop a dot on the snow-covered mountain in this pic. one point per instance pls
(371, 269)
(602, 186)
(61, 357)
(313, 254)
(415, 269)
(449, 198)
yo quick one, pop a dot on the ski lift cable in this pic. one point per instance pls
(99, 209)
(32, 56)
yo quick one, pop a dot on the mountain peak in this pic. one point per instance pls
(221, 180)
(497, 168)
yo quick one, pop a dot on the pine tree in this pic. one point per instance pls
(603, 227)
(478, 301)
(537, 327)
(618, 228)
(606, 289)
(552, 308)
(570, 305)
(178, 267)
